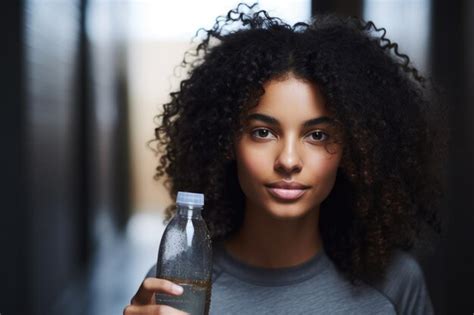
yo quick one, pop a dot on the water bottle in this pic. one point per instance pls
(185, 256)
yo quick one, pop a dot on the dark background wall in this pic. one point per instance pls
(52, 125)
(13, 213)
(450, 272)
(64, 158)
(42, 222)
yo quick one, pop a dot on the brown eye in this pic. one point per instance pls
(319, 136)
(262, 133)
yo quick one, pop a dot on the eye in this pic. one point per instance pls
(262, 133)
(318, 136)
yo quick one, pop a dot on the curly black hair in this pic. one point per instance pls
(389, 187)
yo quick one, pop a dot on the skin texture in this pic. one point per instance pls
(278, 233)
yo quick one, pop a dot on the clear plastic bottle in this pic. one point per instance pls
(185, 256)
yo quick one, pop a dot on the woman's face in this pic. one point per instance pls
(284, 167)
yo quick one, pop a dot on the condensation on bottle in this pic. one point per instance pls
(185, 256)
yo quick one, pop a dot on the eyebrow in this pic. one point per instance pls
(273, 121)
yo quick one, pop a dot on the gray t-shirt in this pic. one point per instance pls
(314, 287)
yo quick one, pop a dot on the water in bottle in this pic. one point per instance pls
(185, 256)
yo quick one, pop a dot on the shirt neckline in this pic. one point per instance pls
(270, 276)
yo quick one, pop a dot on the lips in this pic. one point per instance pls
(286, 194)
(287, 190)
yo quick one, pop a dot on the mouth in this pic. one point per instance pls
(286, 194)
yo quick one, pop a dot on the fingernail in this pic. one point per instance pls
(177, 289)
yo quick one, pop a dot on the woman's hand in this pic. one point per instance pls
(144, 300)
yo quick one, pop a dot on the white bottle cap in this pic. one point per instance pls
(190, 199)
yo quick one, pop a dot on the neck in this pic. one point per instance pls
(267, 241)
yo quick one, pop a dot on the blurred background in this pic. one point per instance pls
(81, 217)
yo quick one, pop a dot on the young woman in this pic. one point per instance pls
(318, 150)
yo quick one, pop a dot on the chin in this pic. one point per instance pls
(287, 212)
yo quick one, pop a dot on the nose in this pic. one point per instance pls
(288, 161)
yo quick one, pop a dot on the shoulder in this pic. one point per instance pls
(404, 284)
(404, 269)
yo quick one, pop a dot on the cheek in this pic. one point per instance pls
(252, 165)
(251, 162)
(325, 171)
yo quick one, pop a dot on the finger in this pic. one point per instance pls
(152, 310)
(149, 286)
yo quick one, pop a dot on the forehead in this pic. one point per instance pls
(291, 100)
